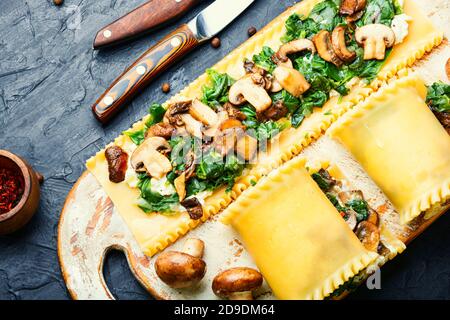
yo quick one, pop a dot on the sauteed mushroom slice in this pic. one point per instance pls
(237, 283)
(349, 7)
(182, 269)
(277, 111)
(193, 207)
(164, 130)
(117, 163)
(180, 186)
(324, 47)
(369, 235)
(375, 38)
(193, 127)
(234, 112)
(347, 196)
(294, 47)
(373, 217)
(291, 80)
(246, 90)
(203, 113)
(231, 123)
(350, 218)
(339, 46)
(147, 157)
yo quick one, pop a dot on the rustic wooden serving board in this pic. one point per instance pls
(90, 226)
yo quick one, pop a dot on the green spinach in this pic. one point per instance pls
(150, 201)
(438, 97)
(264, 59)
(216, 94)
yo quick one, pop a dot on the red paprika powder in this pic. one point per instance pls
(11, 189)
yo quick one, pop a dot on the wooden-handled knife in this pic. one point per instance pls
(204, 26)
(149, 16)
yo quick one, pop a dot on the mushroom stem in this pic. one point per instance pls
(245, 295)
(194, 247)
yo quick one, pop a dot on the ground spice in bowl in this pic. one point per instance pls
(11, 189)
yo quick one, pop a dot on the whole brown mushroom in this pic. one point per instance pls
(182, 269)
(237, 283)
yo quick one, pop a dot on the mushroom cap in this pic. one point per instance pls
(234, 280)
(291, 80)
(369, 235)
(376, 31)
(322, 40)
(296, 46)
(246, 90)
(147, 154)
(339, 45)
(178, 269)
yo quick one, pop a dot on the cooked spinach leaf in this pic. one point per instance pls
(264, 59)
(137, 136)
(156, 113)
(336, 203)
(215, 171)
(290, 102)
(321, 181)
(378, 11)
(150, 201)
(438, 97)
(360, 207)
(262, 131)
(216, 94)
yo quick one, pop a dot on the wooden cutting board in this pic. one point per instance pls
(90, 226)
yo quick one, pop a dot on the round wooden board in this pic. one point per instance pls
(90, 225)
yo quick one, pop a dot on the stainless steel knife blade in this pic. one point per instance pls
(216, 17)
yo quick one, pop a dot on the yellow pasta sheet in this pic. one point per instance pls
(298, 240)
(154, 231)
(401, 145)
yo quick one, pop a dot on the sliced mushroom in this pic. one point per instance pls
(277, 111)
(174, 112)
(349, 7)
(347, 196)
(234, 112)
(182, 269)
(291, 80)
(180, 186)
(369, 235)
(213, 131)
(193, 207)
(193, 127)
(237, 283)
(226, 141)
(147, 158)
(324, 47)
(164, 130)
(350, 218)
(117, 163)
(246, 90)
(203, 113)
(339, 46)
(231, 123)
(373, 217)
(294, 47)
(246, 147)
(375, 38)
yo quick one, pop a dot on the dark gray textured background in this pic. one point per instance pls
(50, 76)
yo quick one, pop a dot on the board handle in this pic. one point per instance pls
(143, 71)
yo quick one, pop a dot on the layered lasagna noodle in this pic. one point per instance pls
(306, 247)
(402, 146)
(154, 231)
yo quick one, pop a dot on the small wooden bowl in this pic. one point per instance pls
(28, 204)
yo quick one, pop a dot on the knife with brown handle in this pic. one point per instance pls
(204, 26)
(147, 17)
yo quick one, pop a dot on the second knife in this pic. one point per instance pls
(204, 26)
(149, 16)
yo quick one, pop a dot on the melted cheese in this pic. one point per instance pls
(401, 145)
(298, 240)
